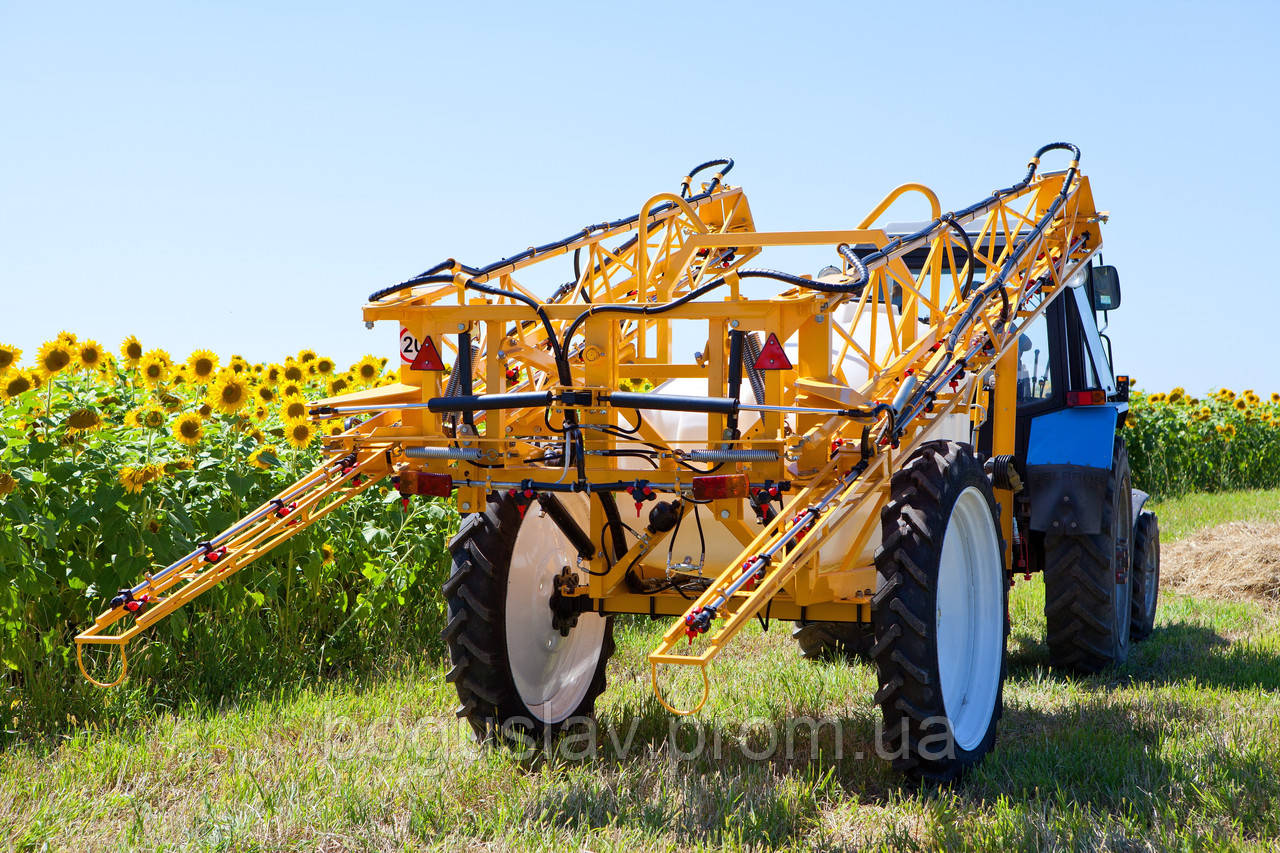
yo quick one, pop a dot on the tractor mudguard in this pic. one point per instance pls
(1140, 499)
(1068, 460)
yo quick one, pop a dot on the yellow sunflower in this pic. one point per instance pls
(273, 373)
(324, 365)
(1275, 396)
(229, 394)
(293, 409)
(291, 389)
(54, 357)
(1155, 398)
(132, 479)
(337, 386)
(15, 383)
(265, 457)
(9, 356)
(299, 433)
(368, 369)
(152, 417)
(1240, 404)
(83, 420)
(188, 429)
(260, 413)
(154, 368)
(67, 338)
(266, 394)
(203, 365)
(153, 472)
(131, 349)
(238, 364)
(306, 355)
(186, 463)
(1227, 431)
(180, 376)
(7, 484)
(326, 553)
(133, 418)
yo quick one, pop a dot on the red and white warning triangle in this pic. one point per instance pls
(773, 356)
(428, 357)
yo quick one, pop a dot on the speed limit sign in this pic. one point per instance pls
(408, 346)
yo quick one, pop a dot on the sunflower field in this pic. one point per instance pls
(112, 464)
(1179, 443)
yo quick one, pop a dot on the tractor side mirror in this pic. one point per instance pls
(1104, 286)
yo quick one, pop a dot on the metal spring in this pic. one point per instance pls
(442, 452)
(752, 345)
(455, 376)
(733, 455)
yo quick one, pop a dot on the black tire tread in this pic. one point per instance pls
(1146, 570)
(475, 627)
(913, 523)
(1079, 581)
(834, 640)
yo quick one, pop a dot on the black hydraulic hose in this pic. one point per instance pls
(846, 251)
(950, 220)
(650, 310)
(852, 287)
(727, 162)
(613, 520)
(646, 310)
(562, 363)
(928, 389)
(427, 277)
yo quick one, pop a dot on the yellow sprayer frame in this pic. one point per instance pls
(837, 439)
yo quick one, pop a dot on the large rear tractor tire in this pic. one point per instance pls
(1146, 575)
(940, 614)
(1088, 583)
(515, 673)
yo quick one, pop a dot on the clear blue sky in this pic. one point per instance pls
(240, 175)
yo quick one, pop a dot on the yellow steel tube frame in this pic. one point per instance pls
(676, 249)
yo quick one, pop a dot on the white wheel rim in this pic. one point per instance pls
(552, 673)
(970, 618)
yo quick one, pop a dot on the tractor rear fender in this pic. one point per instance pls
(1069, 457)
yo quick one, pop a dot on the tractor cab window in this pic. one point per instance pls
(1035, 383)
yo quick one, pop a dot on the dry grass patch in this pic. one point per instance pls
(1233, 561)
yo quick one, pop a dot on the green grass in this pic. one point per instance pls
(1178, 749)
(1180, 516)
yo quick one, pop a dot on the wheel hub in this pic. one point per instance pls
(553, 653)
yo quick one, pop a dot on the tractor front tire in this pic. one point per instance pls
(515, 674)
(1146, 575)
(1088, 582)
(941, 615)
